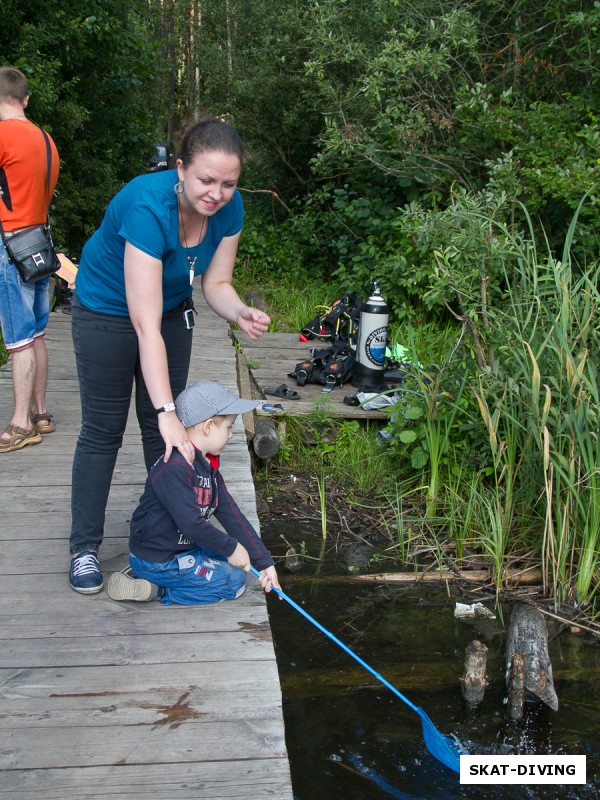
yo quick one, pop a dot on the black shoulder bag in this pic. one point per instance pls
(31, 250)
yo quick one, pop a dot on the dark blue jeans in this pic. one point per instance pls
(108, 365)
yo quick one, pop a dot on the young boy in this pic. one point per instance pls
(176, 554)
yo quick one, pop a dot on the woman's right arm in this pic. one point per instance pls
(143, 288)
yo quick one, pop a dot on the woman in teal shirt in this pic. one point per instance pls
(132, 317)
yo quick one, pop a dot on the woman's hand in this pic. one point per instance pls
(268, 579)
(175, 435)
(253, 321)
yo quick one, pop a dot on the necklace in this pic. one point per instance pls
(191, 261)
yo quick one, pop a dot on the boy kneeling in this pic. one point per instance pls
(176, 554)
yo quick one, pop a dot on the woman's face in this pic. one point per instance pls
(209, 181)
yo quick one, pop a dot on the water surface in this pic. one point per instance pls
(349, 737)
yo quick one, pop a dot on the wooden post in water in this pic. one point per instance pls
(516, 686)
(474, 680)
(527, 642)
(266, 441)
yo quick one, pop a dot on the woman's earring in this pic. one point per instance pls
(178, 188)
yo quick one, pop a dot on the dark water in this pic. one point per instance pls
(349, 737)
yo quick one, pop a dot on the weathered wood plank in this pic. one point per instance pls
(154, 707)
(125, 621)
(235, 780)
(114, 681)
(100, 746)
(148, 649)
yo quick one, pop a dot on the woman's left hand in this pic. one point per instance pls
(175, 435)
(253, 321)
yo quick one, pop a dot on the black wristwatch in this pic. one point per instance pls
(166, 407)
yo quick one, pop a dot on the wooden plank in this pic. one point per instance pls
(105, 745)
(108, 682)
(195, 702)
(151, 648)
(125, 621)
(238, 780)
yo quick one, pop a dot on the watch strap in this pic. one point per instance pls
(166, 407)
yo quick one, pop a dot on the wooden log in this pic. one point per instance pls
(511, 576)
(474, 680)
(265, 441)
(516, 687)
(245, 387)
(416, 676)
(528, 637)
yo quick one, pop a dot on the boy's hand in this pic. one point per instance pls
(268, 579)
(240, 558)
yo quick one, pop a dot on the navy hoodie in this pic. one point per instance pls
(175, 509)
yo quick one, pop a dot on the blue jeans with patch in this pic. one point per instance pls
(24, 307)
(193, 578)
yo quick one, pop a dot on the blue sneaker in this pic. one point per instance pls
(85, 575)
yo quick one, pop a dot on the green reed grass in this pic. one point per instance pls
(321, 484)
(553, 312)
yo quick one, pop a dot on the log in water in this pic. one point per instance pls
(528, 637)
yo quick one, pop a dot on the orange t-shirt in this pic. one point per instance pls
(23, 167)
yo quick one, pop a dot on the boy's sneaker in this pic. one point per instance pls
(123, 586)
(85, 575)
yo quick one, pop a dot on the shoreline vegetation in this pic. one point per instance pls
(491, 460)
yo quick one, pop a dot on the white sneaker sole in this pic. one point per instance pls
(124, 587)
(88, 590)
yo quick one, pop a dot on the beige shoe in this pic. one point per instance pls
(43, 422)
(125, 587)
(19, 438)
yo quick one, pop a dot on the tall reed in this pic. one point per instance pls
(539, 405)
(553, 315)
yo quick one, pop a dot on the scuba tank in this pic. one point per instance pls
(372, 340)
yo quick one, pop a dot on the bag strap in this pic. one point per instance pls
(48, 171)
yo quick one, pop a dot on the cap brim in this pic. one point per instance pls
(240, 406)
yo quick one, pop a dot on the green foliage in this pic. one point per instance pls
(256, 76)
(437, 103)
(349, 455)
(270, 264)
(91, 70)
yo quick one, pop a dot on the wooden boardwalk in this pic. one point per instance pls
(123, 700)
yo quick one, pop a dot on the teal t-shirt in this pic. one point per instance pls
(144, 213)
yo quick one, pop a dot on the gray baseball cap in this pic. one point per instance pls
(207, 399)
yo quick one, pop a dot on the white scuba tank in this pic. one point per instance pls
(372, 341)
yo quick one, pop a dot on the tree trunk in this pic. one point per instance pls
(528, 638)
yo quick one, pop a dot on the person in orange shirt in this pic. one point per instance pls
(24, 308)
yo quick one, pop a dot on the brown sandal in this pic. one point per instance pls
(19, 438)
(40, 425)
